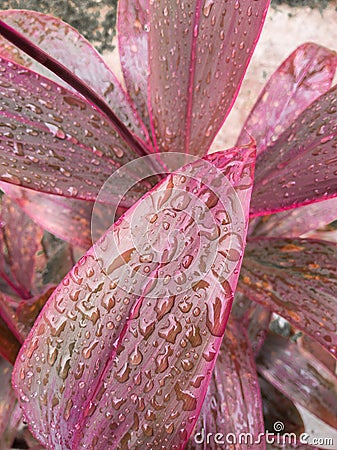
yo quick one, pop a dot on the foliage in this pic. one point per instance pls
(132, 340)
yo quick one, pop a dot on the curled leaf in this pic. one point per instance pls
(314, 348)
(255, 319)
(67, 218)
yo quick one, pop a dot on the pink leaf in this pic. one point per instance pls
(257, 320)
(43, 143)
(11, 326)
(203, 48)
(130, 337)
(20, 240)
(305, 75)
(65, 44)
(133, 50)
(300, 377)
(232, 405)
(295, 278)
(298, 221)
(300, 167)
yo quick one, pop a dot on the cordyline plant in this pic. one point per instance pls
(129, 350)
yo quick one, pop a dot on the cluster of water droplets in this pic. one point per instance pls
(217, 43)
(175, 229)
(302, 163)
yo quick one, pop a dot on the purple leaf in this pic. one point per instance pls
(298, 221)
(20, 240)
(133, 50)
(65, 44)
(305, 75)
(300, 377)
(232, 405)
(203, 48)
(300, 167)
(277, 407)
(43, 143)
(129, 340)
(295, 278)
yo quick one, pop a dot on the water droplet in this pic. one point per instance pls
(188, 399)
(136, 357)
(56, 131)
(64, 366)
(187, 365)
(161, 361)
